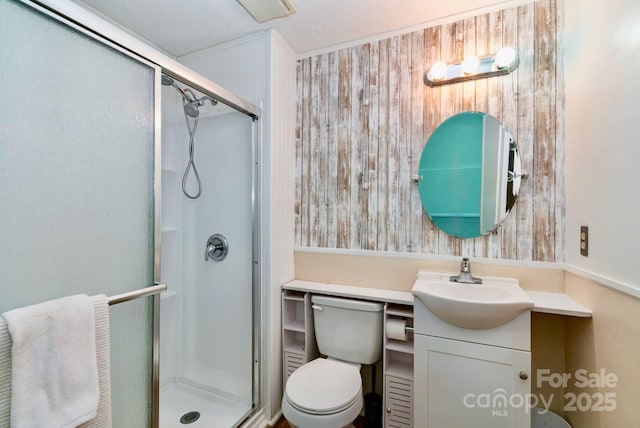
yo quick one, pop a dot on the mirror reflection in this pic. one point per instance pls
(469, 175)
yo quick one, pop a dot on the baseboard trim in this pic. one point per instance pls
(256, 421)
(276, 418)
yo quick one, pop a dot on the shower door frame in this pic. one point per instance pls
(104, 32)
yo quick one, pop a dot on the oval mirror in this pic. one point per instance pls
(469, 175)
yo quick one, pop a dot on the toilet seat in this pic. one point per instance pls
(324, 386)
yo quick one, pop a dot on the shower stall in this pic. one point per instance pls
(208, 239)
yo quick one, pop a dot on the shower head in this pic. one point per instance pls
(191, 109)
(190, 101)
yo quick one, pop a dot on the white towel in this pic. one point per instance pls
(54, 381)
(5, 374)
(103, 356)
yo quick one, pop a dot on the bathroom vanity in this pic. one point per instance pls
(432, 356)
(473, 353)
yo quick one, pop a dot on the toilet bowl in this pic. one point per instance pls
(327, 392)
(324, 393)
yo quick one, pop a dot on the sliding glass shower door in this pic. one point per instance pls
(77, 135)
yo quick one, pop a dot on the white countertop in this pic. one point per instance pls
(376, 294)
(550, 303)
(557, 303)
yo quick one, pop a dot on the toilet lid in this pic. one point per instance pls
(324, 386)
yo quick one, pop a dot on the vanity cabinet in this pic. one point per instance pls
(464, 384)
(398, 371)
(467, 377)
(298, 337)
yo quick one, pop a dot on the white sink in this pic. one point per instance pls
(477, 306)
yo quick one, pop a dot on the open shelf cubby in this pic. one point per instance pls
(298, 339)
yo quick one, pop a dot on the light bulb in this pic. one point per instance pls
(470, 65)
(438, 71)
(505, 57)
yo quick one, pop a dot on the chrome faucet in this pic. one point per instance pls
(465, 274)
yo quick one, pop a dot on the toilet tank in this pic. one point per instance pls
(348, 329)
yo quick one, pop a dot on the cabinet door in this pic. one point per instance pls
(398, 396)
(461, 384)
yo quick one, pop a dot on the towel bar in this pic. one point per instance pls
(131, 295)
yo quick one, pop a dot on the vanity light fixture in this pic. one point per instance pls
(506, 57)
(472, 67)
(438, 70)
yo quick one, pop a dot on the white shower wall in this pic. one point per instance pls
(207, 326)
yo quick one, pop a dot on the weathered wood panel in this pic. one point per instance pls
(560, 241)
(344, 148)
(416, 126)
(510, 120)
(364, 116)
(432, 102)
(298, 154)
(305, 173)
(371, 166)
(525, 130)
(382, 162)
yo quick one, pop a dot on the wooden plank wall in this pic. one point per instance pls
(364, 115)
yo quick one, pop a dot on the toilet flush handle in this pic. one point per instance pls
(317, 308)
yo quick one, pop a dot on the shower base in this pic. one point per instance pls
(178, 399)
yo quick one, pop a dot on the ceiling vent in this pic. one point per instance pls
(265, 10)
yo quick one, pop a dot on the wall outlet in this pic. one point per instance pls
(584, 240)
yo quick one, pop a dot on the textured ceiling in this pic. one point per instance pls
(184, 26)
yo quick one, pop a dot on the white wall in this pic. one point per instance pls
(602, 65)
(238, 66)
(282, 107)
(261, 69)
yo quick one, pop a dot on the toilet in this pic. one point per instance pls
(327, 392)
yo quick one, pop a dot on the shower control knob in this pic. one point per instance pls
(217, 248)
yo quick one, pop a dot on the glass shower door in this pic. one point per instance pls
(77, 185)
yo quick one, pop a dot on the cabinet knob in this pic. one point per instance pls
(388, 409)
(524, 376)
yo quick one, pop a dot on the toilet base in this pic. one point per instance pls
(345, 418)
(295, 426)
